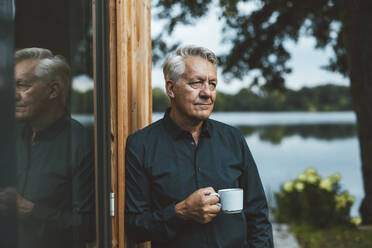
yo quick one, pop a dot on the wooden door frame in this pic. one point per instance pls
(102, 135)
(122, 55)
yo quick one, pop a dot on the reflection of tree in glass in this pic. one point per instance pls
(275, 134)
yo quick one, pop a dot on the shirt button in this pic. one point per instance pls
(192, 143)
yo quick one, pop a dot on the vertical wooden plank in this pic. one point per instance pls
(113, 114)
(123, 59)
(131, 86)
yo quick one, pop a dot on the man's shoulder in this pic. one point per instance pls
(148, 132)
(77, 128)
(81, 136)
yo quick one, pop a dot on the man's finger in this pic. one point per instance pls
(212, 199)
(213, 209)
(208, 190)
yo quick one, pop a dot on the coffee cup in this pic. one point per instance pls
(231, 200)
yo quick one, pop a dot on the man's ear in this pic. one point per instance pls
(169, 86)
(55, 90)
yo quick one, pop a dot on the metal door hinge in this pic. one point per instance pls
(112, 204)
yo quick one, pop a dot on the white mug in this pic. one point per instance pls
(231, 200)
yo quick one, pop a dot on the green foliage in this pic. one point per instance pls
(314, 201)
(257, 38)
(160, 101)
(321, 98)
(326, 97)
(82, 102)
(340, 237)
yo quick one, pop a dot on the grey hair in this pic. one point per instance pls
(174, 66)
(50, 68)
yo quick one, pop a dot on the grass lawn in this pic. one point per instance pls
(335, 237)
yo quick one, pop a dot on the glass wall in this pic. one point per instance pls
(8, 223)
(54, 143)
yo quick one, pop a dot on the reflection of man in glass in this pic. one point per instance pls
(54, 156)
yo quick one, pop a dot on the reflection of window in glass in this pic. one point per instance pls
(54, 113)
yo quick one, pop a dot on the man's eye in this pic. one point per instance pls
(196, 85)
(212, 85)
(23, 86)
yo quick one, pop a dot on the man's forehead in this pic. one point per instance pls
(25, 70)
(196, 67)
(26, 67)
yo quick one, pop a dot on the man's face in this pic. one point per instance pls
(31, 94)
(195, 92)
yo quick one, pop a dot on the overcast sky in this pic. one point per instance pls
(305, 60)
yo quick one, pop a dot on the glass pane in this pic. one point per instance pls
(54, 130)
(7, 144)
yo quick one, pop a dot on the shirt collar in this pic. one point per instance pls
(177, 132)
(48, 132)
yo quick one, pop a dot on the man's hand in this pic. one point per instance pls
(6, 202)
(200, 206)
(9, 195)
(24, 206)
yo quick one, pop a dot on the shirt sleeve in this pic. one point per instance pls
(255, 205)
(143, 223)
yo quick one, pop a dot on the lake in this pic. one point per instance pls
(284, 144)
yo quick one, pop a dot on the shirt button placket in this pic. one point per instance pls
(196, 165)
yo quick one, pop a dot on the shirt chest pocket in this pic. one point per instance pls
(223, 171)
(172, 178)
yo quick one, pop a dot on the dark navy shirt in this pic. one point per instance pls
(56, 173)
(164, 166)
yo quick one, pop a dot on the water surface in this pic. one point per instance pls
(284, 144)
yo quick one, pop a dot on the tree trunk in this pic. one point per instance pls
(358, 40)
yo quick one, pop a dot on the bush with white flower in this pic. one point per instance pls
(311, 199)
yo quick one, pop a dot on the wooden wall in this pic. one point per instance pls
(131, 100)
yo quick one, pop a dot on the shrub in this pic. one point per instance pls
(313, 200)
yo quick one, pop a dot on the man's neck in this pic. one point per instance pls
(46, 120)
(187, 124)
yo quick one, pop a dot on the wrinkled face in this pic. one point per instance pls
(195, 92)
(31, 94)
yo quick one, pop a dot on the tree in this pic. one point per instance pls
(160, 101)
(258, 37)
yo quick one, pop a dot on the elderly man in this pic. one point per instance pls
(175, 165)
(54, 156)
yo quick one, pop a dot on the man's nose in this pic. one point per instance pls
(205, 90)
(17, 95)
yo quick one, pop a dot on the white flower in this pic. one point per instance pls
(302, 177)
(356, 221)
(288, 186)
(299, 186)
(326, 184)
(310, 171)
(312, 179)
(335, 177)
